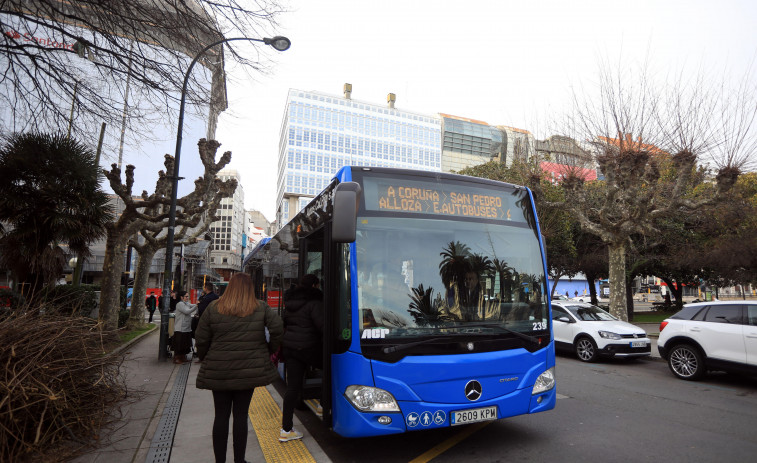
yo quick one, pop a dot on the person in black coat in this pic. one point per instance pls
(173, 302)
(151, 303)
(231, 341)
(208, 296)
(303, 338)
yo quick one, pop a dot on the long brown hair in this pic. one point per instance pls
(239, 298)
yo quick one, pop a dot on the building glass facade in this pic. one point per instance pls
(321, 133)
(468, 142)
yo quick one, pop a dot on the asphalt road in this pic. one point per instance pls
(614, 410)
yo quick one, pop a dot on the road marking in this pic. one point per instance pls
(449, 443)
(454, 440)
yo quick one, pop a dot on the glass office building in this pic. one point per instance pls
(469, 142)
(321, 133)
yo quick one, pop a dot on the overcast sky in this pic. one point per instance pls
(504, 62)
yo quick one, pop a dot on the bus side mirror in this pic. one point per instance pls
(344, 215)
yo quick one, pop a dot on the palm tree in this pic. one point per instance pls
(50, 195)
(505, 273)
(454, 262)
(481, 264)
(452, 269)
(422, 308)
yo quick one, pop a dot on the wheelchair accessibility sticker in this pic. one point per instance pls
(413, 419)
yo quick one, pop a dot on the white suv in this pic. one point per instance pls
(718, 335)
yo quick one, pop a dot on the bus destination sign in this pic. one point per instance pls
(427, 198)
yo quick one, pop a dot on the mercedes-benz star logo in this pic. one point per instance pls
(473, 390)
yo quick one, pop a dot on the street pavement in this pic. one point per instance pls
(129, 438)
(150, 382)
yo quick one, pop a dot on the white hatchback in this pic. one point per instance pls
(717, 335)
(591, 332)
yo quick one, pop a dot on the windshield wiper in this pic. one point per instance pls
(399, 347)
(531, 339)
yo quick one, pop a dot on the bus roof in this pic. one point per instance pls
(344, 174)
(257, 247)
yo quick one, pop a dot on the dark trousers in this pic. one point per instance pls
(152, 312)
(182, 342)
(296, 362)
(225, 402)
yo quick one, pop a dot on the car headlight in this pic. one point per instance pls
(371, 399)
(544, 382)
(609, 335)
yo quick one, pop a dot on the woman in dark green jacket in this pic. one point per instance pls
(236, 358)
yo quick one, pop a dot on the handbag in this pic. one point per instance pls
(277, 356)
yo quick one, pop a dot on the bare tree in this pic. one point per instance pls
(632, 125)
(132, 55)
(150, 214)
(212, 190)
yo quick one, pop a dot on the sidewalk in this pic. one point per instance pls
(150, 383)
(193, 440)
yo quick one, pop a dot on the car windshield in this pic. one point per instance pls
(589, 313)
(420, 277)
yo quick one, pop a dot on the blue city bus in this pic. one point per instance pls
(435, 299)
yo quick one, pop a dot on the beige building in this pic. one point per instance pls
(228, 230)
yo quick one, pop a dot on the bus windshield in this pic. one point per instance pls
(424, 277)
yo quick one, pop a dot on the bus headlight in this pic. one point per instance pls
(544, 382)
(371, 399)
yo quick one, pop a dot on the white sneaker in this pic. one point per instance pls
(319, 411)
(285, 436)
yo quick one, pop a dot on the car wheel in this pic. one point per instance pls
(686, 362)
(586, 349)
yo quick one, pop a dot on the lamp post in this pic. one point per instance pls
(280, 44)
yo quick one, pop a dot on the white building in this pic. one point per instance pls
(142, 135)
(257, 227)
(228, 230)
(321, 133)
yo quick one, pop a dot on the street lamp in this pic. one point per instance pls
(279, 43)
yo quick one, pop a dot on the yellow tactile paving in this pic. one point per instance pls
(266, 420)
